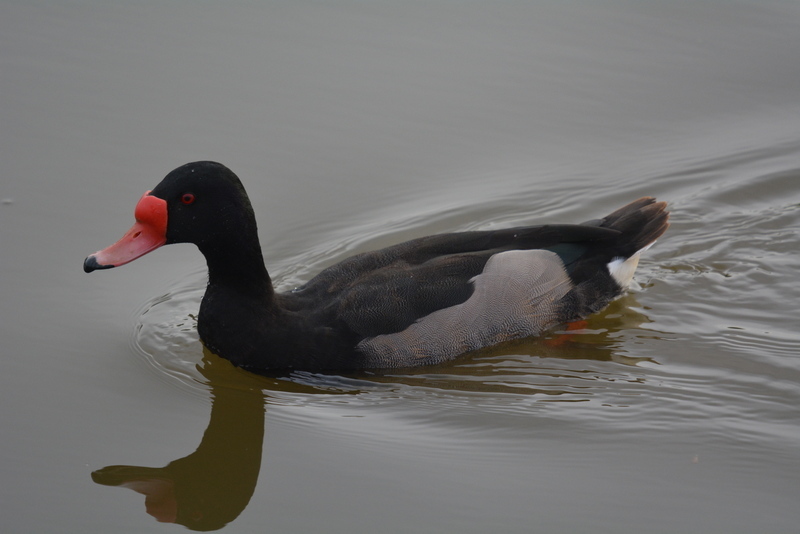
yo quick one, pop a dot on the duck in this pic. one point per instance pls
(421, 302)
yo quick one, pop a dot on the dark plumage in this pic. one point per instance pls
(415, 303)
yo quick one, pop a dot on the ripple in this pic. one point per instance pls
(166, 337)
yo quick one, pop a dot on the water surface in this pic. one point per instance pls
(358, 125)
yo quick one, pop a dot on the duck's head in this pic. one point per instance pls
(201, 202)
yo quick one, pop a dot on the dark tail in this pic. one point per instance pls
(641, 222)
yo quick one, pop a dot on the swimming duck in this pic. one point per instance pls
(421, 302)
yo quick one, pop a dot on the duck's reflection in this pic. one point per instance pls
(210, 487)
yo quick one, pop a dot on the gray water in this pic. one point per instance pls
(357, 125)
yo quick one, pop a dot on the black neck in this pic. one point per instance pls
(238, 264)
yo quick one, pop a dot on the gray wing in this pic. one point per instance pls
(517, 295)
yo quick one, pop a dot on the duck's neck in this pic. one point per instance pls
(239, 304)
(239, 265)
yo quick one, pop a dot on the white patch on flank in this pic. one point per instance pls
(622, 270)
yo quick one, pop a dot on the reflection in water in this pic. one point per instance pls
(210, 487)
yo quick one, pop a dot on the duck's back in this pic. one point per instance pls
(385, 291)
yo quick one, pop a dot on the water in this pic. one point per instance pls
(356, 126)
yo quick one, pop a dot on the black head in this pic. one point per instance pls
(202, 203)
(206, 205)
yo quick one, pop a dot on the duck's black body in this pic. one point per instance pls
(420, 302)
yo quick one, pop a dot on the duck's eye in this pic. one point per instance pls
(187, 198)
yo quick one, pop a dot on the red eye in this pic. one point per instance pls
(187, 198)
